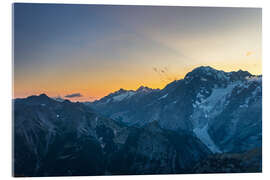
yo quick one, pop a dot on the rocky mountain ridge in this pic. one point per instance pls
(208, 122)
(210, 103)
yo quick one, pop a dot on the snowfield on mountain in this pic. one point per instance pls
(208, 122)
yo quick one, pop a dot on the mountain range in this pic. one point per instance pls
(208, 122)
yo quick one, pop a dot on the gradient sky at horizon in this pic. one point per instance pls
(94, 49)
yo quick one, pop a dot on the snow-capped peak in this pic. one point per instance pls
(254, 78)
(123, 95)
(144, 89)
(205, 72)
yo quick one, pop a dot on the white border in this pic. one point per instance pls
(6, 81)
(223, 3)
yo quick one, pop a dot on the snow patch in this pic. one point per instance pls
(123, 96)
(217, 95)
(206, 109)
(162, 97)
(254, 78)
(203, 79)
(202, 134)
(108, 100)
(114, 132)
(243, 106)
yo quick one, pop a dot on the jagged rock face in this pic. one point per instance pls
(53, 138)
(223, 109)
(207, 122)
(117, 102)
(238, 127)
(151, 150)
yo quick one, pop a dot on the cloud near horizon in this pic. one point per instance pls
(73, 95)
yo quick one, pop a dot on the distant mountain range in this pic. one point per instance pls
(208, 122)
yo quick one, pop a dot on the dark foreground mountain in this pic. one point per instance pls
(250, 161)
(208, 122)
(54, 138)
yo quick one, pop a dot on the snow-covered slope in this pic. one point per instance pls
(205, 98)
(207, 114)
(202, 134)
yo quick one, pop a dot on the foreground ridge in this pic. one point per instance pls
(208, 122)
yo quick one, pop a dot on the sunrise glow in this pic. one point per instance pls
(95, 50)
